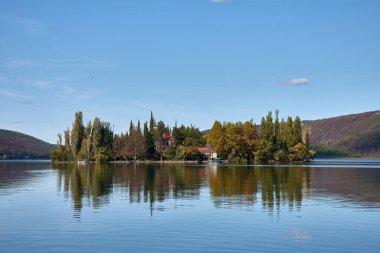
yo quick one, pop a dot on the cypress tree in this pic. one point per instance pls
(131, 128)
(149, 143)
(152, 122)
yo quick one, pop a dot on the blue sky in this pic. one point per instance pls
(193, 61)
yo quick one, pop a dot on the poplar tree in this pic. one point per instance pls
(77, 134)
(88, 140)
(288, 135)
(297, 131)
(277, 134)
(67, 140)
(96, 135)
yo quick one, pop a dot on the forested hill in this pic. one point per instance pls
(355, 134)
(15, 145)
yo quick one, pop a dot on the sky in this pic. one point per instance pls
(190, 61)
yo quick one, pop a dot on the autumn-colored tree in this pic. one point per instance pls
(136, 144)
(216, 138)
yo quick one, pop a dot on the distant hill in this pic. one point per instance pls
(15, 145)
(355, 134)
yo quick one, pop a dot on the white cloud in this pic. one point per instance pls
(296, 81)
(219, 1)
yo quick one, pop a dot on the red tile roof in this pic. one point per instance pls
(167, 136)
(204, 150)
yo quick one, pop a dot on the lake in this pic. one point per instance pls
(322, 206)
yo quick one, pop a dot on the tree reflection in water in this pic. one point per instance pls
(152, 183)
(241, 185)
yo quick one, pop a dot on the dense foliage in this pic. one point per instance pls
(15, 145)
(91, 142)
(280, 141)
(277, 140)
(97, 142)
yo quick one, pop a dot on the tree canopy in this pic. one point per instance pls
(274, 139)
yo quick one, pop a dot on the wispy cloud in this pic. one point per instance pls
(219, 1)
(3, 79)
(12, 94)
(296, 81)
(26, 102)
(17, 122)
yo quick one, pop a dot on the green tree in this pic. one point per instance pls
(297, 131)
(150, 150)
(157, 136)
(267, 131)
(277, 133)
(263, 151)
(152, 122)
(67, 140)
(77, 134)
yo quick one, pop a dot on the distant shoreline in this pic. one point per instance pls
(170, 161)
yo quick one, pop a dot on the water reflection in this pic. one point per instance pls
(271, 187)
(276, 186)
(140, 183)
(84, 183)
(16, 173)
(152, 183)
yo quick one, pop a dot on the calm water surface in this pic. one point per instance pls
(325, 206)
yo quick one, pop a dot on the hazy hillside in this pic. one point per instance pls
(15, 145)
(354, 134)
